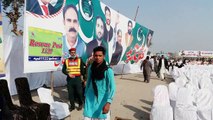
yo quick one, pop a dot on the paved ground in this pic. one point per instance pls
(133, 97)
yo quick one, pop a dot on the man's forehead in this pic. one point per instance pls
(119, 33)
(99, 53)
(107, 12)
(71, 11)
(99, 21)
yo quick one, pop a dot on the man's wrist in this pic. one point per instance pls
(109, 101)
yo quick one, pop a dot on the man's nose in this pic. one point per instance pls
(71, 24)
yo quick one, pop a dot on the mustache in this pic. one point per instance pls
(100, 38)
(130, 31)
(108, 21)
(72, 30)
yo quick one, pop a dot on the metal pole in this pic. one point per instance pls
(52, 83)
(122, 71)
(136, 13)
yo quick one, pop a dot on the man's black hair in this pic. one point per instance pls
(106, 8)
(99, 48)
(99, 17)
(129, 22)
(119, 31)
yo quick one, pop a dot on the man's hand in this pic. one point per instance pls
(106, 108)
(84, 83)
(72, 76)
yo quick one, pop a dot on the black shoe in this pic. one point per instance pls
(80, 107)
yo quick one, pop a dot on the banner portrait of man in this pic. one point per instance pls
(44, 7)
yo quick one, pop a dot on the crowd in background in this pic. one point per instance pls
(162, 65)
(180, 62)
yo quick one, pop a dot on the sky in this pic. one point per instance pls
(177, 24)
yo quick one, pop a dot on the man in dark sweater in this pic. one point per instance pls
(74, 69)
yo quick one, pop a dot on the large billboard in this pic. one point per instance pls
(194, 53)
(2, 68)
(83, 24)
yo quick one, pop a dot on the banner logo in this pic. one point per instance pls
(86, 9)
(140, 34)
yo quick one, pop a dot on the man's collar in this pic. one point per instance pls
(108, 27)
(99, 42)
(41, 3)
(73, 58)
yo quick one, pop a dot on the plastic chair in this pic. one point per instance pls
(42, 109)
(58, 110)
(161, 109)
(13, 111)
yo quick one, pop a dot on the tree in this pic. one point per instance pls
(12, 10)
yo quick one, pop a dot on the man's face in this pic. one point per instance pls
(130, 28)
(119, 37)
(71, 24)
(162, 57)
(149, 36)
(73, 54)
(99, 29)
(98, 57)
(108, 17)
(46, 1)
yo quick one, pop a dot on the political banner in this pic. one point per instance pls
(84, 25)
(206, 54)
(194, 53)
(189, 53)
(2, 68)
(48, 50)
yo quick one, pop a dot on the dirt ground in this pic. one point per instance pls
(133, 98)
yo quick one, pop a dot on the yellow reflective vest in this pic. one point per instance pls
(73, 66)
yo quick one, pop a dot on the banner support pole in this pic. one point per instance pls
(122, 71)
(52, 83)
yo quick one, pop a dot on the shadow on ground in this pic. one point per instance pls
(134, 80)
(146, 101)
(146, 108)
(139, 75)
(139, 114)
(61, 94)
